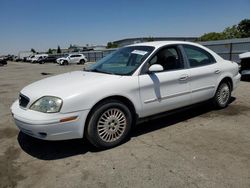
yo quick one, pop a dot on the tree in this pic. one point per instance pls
(231, 32)
(111, 45)
(49, 51)
(244, 28)
(33, 50)
(211, 36)
(150, 39)
(59, 50)
(70, 46)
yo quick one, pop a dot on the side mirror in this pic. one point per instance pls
(155, 68)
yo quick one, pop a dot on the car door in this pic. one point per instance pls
(72, 59)
(203, 72)
(166, 90)
(77, 58)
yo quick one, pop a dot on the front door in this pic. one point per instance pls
(168, 89)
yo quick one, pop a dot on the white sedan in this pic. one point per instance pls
(103, 102)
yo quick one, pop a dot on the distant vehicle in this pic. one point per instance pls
(17, 59)
(245, 64)
(28, 59)
(8, 57)
(3, 62)
(38, 57)
(51, 59)
(23, 55)
(72, 59)
(103, 102)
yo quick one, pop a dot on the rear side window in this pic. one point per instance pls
(75, 56)
(197, 56)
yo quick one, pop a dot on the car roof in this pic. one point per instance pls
(74, 54)
(158, 44)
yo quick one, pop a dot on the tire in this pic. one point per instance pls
(82, 61)
(109, 124)
(223, 95)
(65, 62)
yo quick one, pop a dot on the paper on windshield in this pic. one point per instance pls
(139, 52)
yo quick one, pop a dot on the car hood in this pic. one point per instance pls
(244, 55)
(61, 58)
(67, 85)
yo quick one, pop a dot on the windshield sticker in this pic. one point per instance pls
(139, 52)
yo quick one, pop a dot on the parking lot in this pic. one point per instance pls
(197, 147)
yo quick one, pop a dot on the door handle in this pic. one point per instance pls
(183, 77)
(217, 72)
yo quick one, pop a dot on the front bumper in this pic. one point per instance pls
(49, 126)
(58, 61)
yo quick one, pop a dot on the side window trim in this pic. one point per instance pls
(184, 56)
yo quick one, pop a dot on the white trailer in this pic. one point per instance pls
(24, 54)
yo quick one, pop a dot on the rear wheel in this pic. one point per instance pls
(222, 95)
(82, 61)
(109, 124)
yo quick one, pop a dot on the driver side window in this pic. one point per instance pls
(169, 58)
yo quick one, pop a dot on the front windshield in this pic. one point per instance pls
(123, 61)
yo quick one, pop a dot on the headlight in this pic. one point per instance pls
(47, 104)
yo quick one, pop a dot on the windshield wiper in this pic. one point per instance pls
(99, 71)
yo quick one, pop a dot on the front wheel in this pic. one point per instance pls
(223, 95)
(109, 124)
(65, 62)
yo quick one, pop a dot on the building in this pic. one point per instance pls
(79, 49)
(128, 41)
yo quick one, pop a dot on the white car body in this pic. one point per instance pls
(149, 94)
(37, 56)
(28, 59)
(244, 64)
(72, 59)
(244, 55)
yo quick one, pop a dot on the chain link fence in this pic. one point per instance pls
(94, 56)
(229, 49)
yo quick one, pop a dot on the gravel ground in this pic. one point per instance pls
(198, 147)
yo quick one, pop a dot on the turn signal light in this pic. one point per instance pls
(69, 119)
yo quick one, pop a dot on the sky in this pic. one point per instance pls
(44, 24)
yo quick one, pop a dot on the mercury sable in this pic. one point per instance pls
(102, 102)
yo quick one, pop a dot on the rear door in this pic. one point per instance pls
(73, 59)
(203, 72)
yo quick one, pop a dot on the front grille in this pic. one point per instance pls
(245, 64)
(23, 100)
